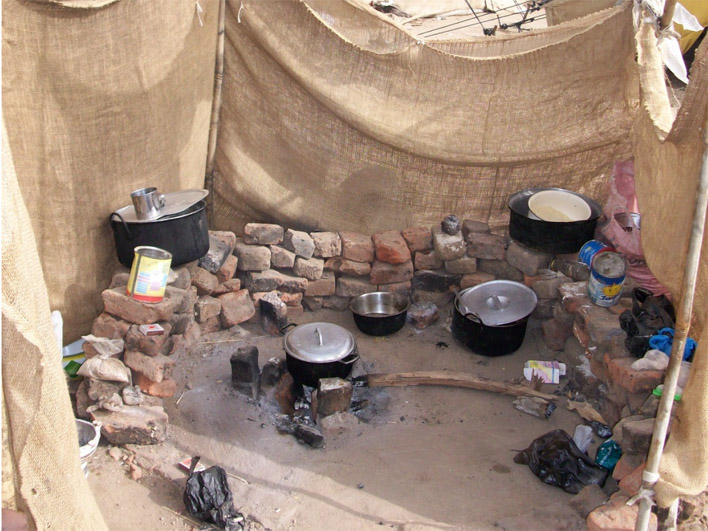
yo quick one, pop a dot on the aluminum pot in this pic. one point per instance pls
(379, 313)
(556, 237)
(185, 235)
(491, 318)
(319, 350)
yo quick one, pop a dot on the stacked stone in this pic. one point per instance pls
(273, 260)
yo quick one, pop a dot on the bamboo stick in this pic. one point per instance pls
(215, 106)
(453, 379)
(668, 15)
(683, 321)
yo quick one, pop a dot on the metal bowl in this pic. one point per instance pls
(379, 313)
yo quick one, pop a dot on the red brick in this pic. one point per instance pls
(396, 287)
(228, 237)
(357, 247)
(555, 333)
(206, 308)
(616, 515)
(390, 247)
(295, 311)
(427, 260)
(117, 303)
(164, 389)
(212, 324)
(385, 273)
(227, 269)
(233, 284)
(474, 279)
(581, 334)
(156, 368)
(486, 246)
(204, 281)
(323, 287)
(527, 260)
(574, 295)
(150, 345)
(631, 482)
(280, 257)
(461, 266)
(327, 244)
(236, 307)
(291, 299)
(418, 238)
(626, 464)
(105, 325)
(352, 287)
(621, 372)
(262, 233)
(348, 267)
(311, 268)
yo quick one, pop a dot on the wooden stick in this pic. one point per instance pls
(215, 105)
(668, 15)
(453, 379)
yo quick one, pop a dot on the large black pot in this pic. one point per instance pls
(184, 235)
(550, 236)
(319, 350)
(483, 329)
(379, 313)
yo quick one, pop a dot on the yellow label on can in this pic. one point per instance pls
(148, 274)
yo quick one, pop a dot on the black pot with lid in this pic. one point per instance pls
(319, 350)
(491, 318)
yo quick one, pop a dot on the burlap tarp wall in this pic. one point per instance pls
(560, 11)
(41, 475)
(370, 130)
(99, 102)
(668, 155)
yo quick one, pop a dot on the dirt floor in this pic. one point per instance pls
(429, 458)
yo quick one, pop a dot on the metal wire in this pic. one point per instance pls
(494, 17)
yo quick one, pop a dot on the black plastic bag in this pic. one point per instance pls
(557, 461)
(648, 315)
(207, 496)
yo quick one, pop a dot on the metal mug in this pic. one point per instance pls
(147, 202)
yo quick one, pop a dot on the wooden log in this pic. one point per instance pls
(453, 379)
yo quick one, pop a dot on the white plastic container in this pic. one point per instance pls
(89, 435)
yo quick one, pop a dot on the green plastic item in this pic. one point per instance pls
(659, 390)
(608, 453)
(72, 368)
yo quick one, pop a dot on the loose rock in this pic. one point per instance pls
(423, 314)
(262, 233)
(451, 225)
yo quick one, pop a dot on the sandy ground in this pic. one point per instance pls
(431, 458)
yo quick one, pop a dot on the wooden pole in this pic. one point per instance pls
(683, 321)
(453, 379)
(215, 106)
(668, 15)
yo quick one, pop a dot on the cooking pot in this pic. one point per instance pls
(556, 237)
(184, 234)
(379, 313)
(319, 350)
(490, 318)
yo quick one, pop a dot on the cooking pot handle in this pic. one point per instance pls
(125, 225)
(474, 317)
(284, 328)
(351, 358)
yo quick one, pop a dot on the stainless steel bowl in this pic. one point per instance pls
(379, 313)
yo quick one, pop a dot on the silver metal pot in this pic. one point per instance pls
(319, 350)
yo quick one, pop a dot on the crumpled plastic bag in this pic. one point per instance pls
(104, 346)
(111, 369)
(207, 496)
(557, 461)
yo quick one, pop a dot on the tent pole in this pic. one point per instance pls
(683, 321)
(215, 107)
(668, 15)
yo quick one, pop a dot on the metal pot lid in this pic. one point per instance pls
(498, 302)
(319, 342)
(175, 202)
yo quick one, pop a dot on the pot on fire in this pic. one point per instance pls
(319, 350)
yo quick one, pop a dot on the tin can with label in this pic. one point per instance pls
(590, 249)
(607, 274)
(148, 275)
